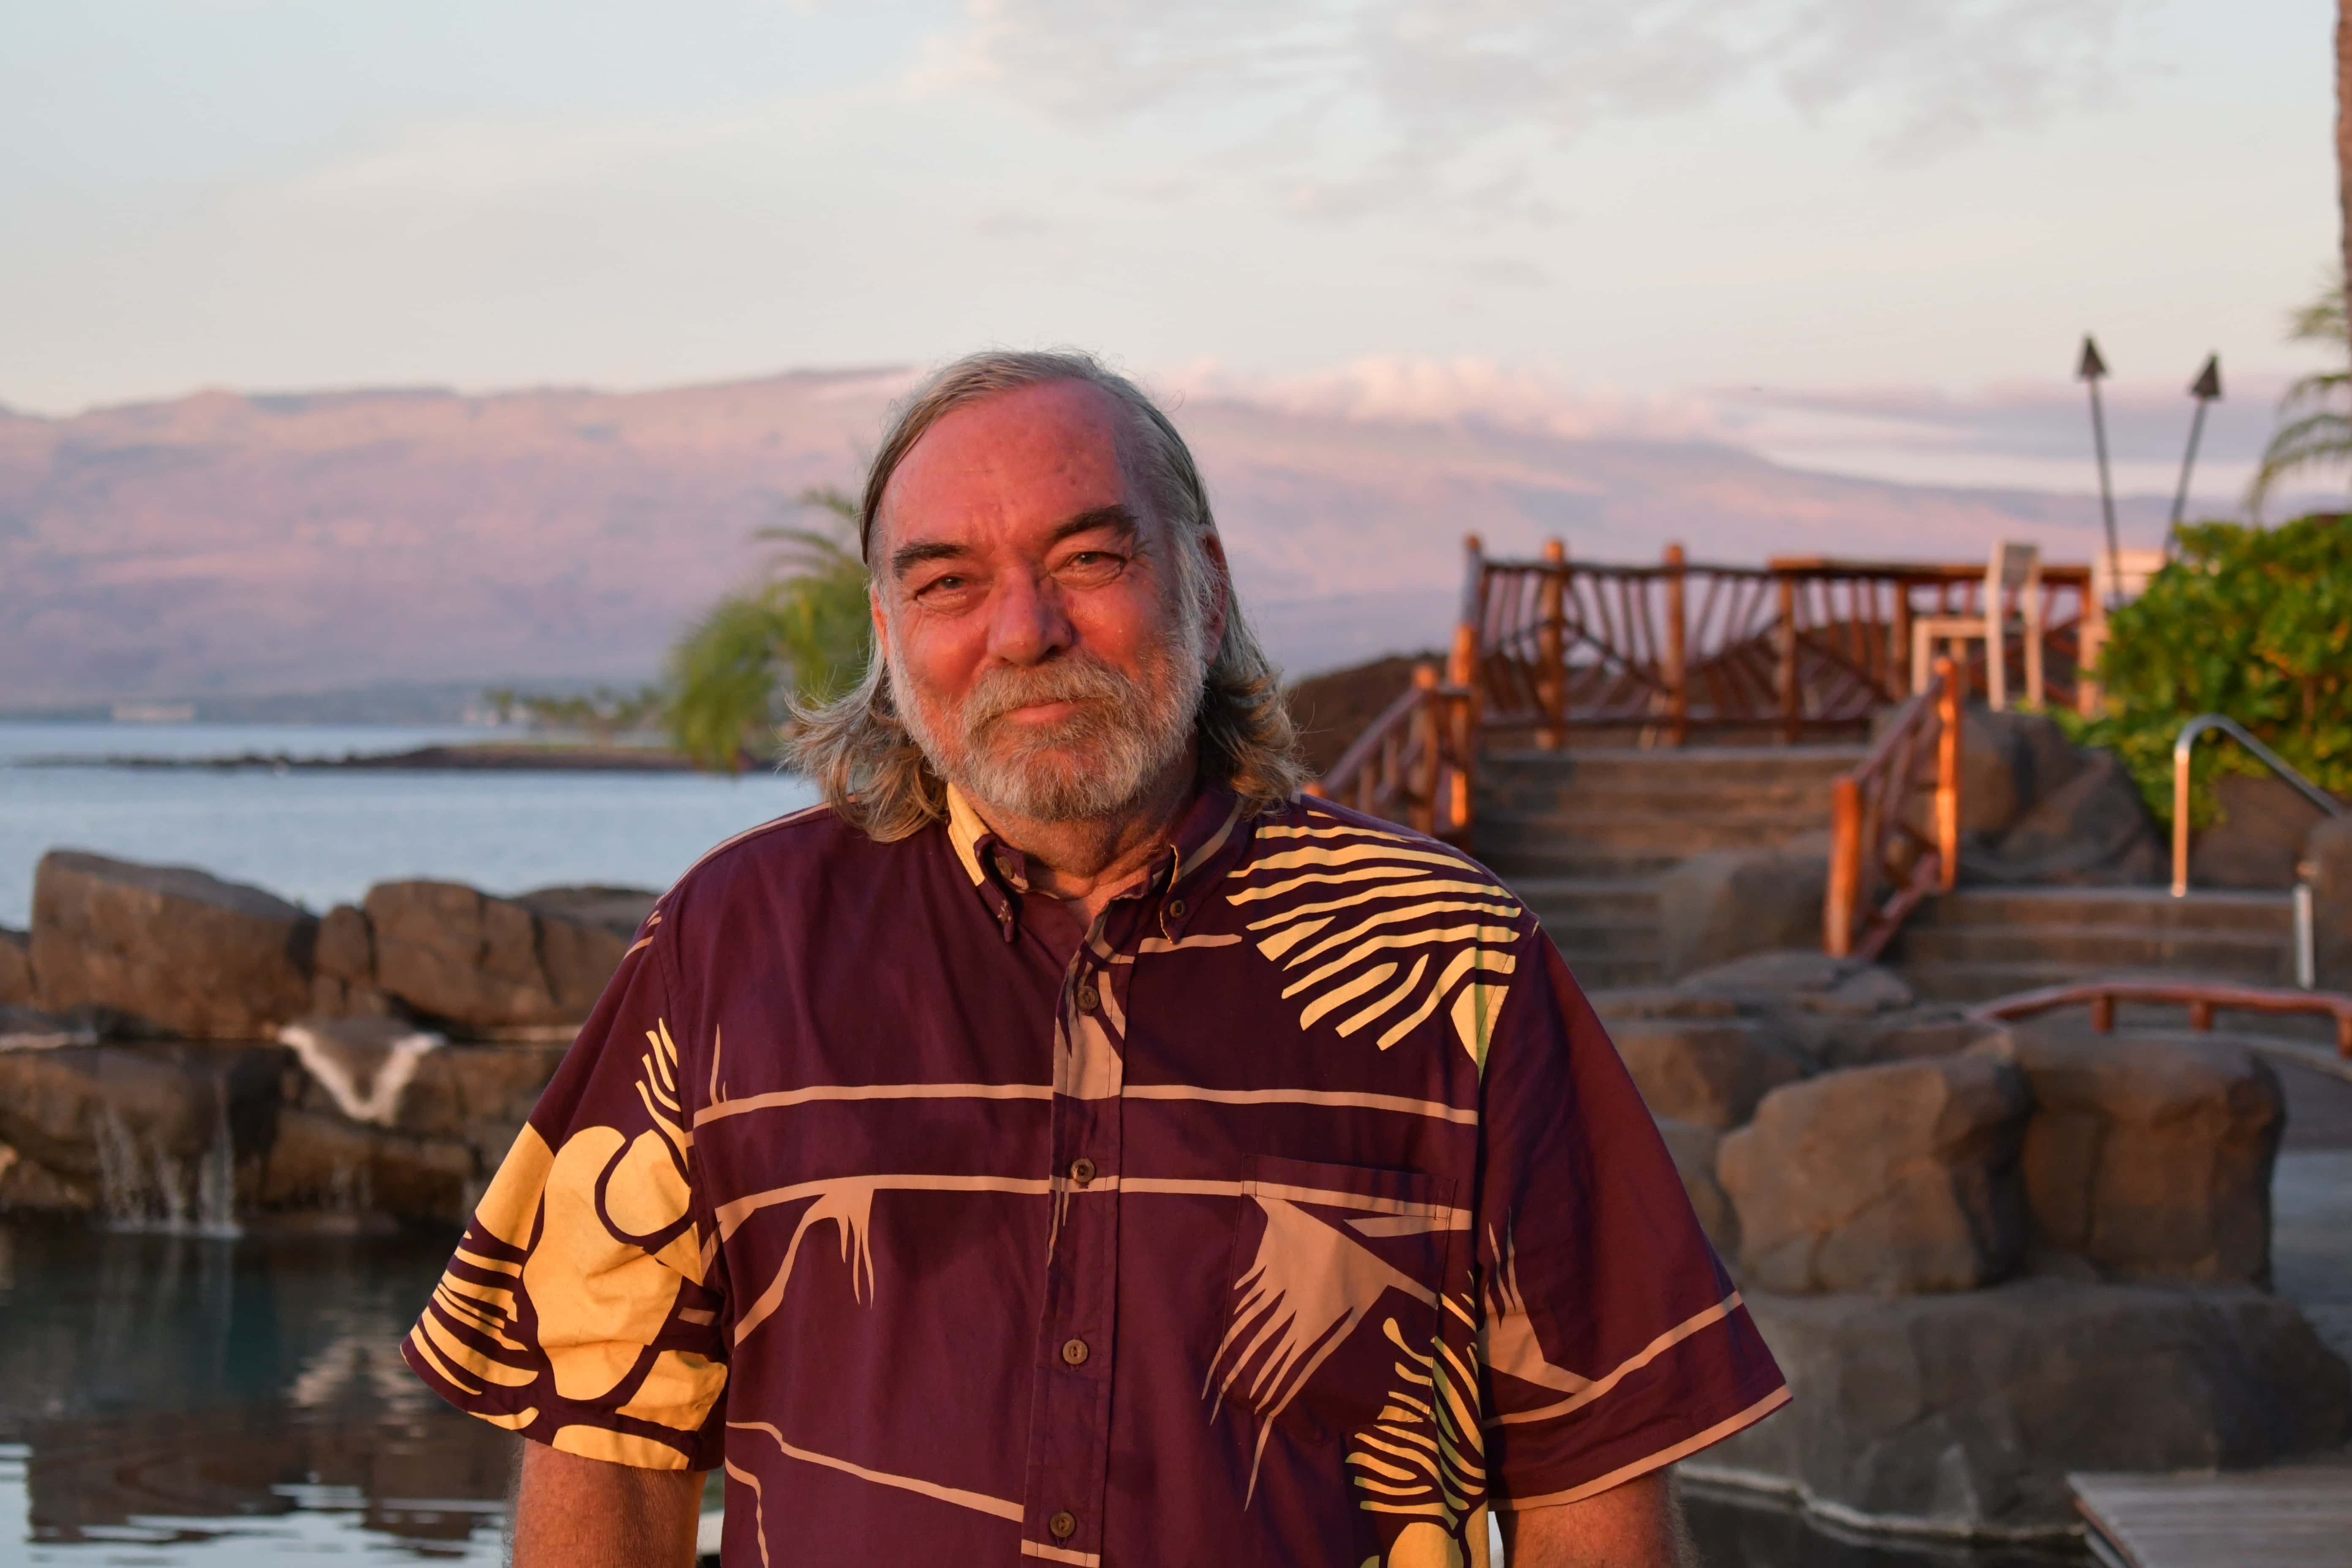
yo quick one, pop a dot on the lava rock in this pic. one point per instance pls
(167, 949)
(2150, 1159)
(15, 968)
(1910, 1034)
(1710, 1073)
(23, 1029)
(2009, 762)
(483, 963)
(2094, 830)
(1727, 903)
(1694, 1149)
(2259, 838)
(1899, 1179)
(320, 1161)
(29, 1187)
(2328, 852)
(1803, 998)
(1966, 1412)
(346, 946)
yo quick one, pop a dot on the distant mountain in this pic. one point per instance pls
(224, 544)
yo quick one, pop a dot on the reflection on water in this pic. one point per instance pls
(180, 1400)
(177, 1400)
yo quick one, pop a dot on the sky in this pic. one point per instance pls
(1864, 235)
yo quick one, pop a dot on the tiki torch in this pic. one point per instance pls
(2091, 369)
(2204, 389)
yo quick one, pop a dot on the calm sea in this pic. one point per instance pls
(323, 836)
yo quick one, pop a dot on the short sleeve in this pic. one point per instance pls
(576, 1309)
(1613, 1340)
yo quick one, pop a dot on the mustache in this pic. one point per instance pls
(1076, 680)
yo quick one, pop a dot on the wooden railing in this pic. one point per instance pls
(2199, 998)
(1798, 648)
(1895, 823)
(1415, 763)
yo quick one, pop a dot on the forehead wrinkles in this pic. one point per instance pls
(1111, 421)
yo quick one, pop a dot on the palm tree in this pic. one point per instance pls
(800, 636)
(2314, 433)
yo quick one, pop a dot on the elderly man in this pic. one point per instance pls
(1070, 1142)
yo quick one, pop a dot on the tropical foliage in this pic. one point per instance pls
(801, 635)
(2316, 428)
(2251, 622)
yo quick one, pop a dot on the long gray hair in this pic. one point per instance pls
(858, 750)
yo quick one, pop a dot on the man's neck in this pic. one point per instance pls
(1089, 861)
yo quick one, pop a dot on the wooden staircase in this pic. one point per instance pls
(1584, 834)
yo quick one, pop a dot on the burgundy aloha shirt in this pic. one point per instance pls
(1296, 1214)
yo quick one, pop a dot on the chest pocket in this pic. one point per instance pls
(1336, 1273)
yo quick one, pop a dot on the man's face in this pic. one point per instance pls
(1041, 649)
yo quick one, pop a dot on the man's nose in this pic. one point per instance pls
(1026, 621)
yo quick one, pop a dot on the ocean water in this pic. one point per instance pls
(319, 837)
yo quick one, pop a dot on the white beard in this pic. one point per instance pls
(1098, 762)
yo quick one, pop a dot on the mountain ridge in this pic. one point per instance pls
(225, 542)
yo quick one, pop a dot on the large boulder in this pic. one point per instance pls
(1694, 1149)
(1727, 903)
(1711, 1073)
(1965, 1412)
(1800, 997)
(2258, 839)
(1896, 1179)
(2094, 830)
(2010, 761)
(167, 950)
(489, 964)
(1906, 1034)
(2328, 850)
(15, 968)
(2149, 1159)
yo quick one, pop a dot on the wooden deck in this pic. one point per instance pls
(2290, 1516)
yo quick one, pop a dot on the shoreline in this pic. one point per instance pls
(439, 759)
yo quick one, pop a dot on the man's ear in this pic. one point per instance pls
(881, 621)
(1222, 591)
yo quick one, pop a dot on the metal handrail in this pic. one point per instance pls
(2268, 758)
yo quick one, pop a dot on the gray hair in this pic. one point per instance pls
(858, 750)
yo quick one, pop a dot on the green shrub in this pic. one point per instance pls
(2255, 622)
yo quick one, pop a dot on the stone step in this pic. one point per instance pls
(2098, 948)
(1504, 833)
(1595, 972)
(1621, 765)
(1970, 981)
(2142, 909)
(1699, 799)
(1542, 860)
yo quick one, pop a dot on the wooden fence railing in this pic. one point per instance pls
(2200, 997)
(1895, 823)
(1415, 762)
(1795, 650)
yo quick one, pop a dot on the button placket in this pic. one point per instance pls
(1069, 1441)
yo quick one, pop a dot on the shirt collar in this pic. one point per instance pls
(1000, 872)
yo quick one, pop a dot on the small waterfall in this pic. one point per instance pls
(142, 1186)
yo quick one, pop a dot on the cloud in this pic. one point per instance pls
(1452, 102)
(1453, 392)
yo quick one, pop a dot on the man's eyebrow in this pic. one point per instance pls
(1118, 517)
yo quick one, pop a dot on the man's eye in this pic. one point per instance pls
(1091, 562)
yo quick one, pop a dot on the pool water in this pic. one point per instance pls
(178, 1401)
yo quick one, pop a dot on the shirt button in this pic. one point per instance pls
(1175, 909)
(1073, 1351)
(1064, 1525)
(1089, 998)
(1081, 1170)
